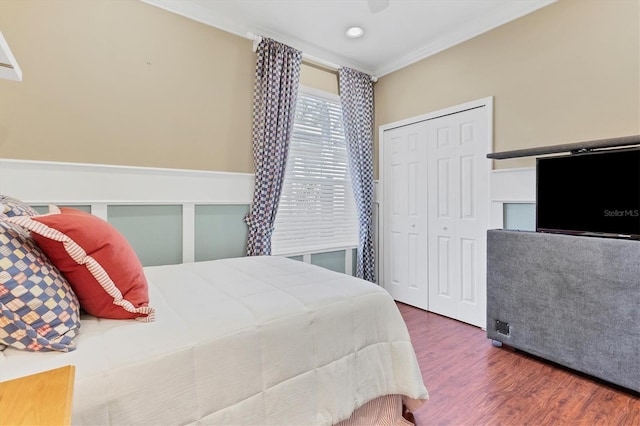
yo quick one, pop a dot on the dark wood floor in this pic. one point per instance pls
(471, 382)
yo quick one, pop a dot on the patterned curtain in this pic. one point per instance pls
(356, 96)
(274, 102)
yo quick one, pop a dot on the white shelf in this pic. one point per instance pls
(9, 68)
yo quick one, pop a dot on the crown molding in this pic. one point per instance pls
(508, 12)
(195, 12)
(200, 14)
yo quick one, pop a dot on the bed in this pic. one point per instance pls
(242, 340)
(254, 340)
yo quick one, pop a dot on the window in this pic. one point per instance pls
(317, 211)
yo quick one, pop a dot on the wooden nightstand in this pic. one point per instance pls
(39, 399)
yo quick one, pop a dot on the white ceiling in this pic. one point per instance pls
(404, 32)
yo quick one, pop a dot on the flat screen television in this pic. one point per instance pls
(594, 193)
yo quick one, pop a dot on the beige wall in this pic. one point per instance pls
(567, 73)
(123, 82)
(319, 78)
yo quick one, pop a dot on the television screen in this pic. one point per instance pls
(593, 193)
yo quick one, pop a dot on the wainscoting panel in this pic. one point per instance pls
(154, 231)
(512, 186)
(519, 216)
(168, 215)
(42, 209)
(220, 231)
(334, 260)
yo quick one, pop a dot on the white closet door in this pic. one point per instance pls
(458, 214)
(404, 212)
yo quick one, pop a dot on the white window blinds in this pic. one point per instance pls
(317, 211)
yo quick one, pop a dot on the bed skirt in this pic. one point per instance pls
(387, 410)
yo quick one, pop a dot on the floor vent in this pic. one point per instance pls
(503, 327)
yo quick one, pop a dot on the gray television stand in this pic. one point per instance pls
(573, 300)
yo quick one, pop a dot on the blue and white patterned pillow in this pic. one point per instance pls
(38, 309)
(14, 207)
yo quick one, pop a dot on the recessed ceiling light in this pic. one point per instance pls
(355, 32)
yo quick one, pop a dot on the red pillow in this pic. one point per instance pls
(100, 265)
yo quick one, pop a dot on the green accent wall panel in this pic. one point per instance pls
(519, 216)
(154, 232)
(354, 262)
(333, 260)
(45, 209)
(220, 231)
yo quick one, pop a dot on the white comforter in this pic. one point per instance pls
(258, 340)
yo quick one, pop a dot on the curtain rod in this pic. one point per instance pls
(257, 39)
